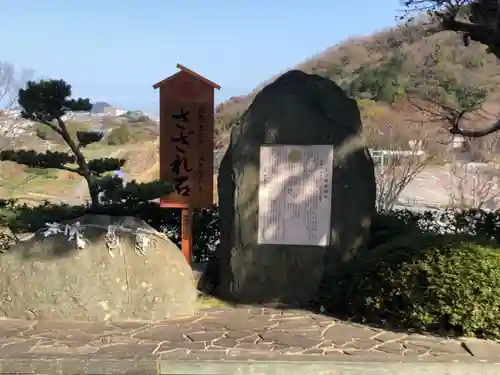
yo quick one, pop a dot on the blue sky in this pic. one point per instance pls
(116, 50)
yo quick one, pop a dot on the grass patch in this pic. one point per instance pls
(210, 302)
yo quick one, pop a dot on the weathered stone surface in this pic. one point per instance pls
(49, 278)
(297, 109)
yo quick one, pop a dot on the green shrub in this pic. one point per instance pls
(37, 171)
(120, 135)
(389, 224)
(47, 134)
(131, 133)
(428, 282)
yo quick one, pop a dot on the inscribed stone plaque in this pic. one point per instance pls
(295, 195)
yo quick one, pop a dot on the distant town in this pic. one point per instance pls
(12, 125)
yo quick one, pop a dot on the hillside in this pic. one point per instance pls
(380, 70)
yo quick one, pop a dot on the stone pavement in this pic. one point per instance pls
(227, 334)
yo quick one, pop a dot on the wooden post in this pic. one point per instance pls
(187, 234)
(186, 146)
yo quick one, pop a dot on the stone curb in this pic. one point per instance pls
(70, 366)
(230, 367)
(324, 368)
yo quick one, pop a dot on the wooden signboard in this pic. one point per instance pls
(187, 144)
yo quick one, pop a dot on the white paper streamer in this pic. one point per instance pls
(144, 240)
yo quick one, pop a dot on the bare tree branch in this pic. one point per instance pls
(476, 133)
(397, 166)
(476, 185)
(10, 83)
(476, 20)
(469, 108)
(396, 173)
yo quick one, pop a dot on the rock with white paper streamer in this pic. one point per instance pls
(96, 267)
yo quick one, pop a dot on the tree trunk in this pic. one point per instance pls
(93, 191)
(82, 164)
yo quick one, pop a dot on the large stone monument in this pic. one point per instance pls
(296, 193)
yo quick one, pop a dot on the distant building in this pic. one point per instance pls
(113, 111)
(120, 111)
(458, 141)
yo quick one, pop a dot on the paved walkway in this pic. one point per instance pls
(230, 334)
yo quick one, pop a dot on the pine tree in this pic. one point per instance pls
(47, 102)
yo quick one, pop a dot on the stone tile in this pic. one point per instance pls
(415, 349)
(361, 344)
(214, 311)
(325, 324)
(285, 349)
(227, 315)
(257, 311)
(225, 342)
(256, 346)
(483, 348)
(10, 340)
(313, 351)
(206, 336)
(91, 328)
(168, 346)
(128, 326)
(19, 347)
(161, 333)
(238, 335)
(394, 347)
(292, 324)
(66, 335)
(257, 323)
(49, 325)
(292, 317)
(13, 333)
(253, 338)
(385, 336)
(436, 346)
(315, 332)
(203, 324)
(108, 340)
(343, 333)
(327, 344)
(120, 351)
(290, 340)
(180, 320)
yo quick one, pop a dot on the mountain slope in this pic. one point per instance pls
(379, 71)
(99, 107)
